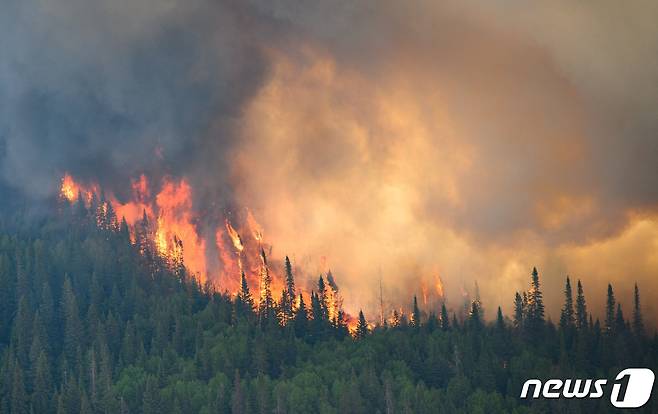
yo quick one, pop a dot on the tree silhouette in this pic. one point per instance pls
(567, 317)
(610, 311)
(638, 323)
(362, 329)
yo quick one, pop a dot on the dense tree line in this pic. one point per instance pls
(92, 322)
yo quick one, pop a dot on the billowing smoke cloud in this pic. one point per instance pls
(469, 141)
(112, 89)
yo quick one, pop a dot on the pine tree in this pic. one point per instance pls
(301, 318)
(362, 327)
(638, 323)
(19, 399)
(396, 319)
(282, 308)
(535, 307)
(518, 311)
(620, 322)
(567, 319)
(244, 299)
(72, 323)
(474, 318)
(43, 386)
(323, 298)
(610, 310)
(150, 400)
(237, 400)
(455, 322)
(124, 231)
(319, 321)
(143, 236)
(415, 315)
(500, 321)
(39, 339)
(21, 333)
(93, 376)
(47, 310)
(266, 303)
(478, 300)
(341, 325)
(23, 281)
(290, 288)
(445, 320)
(581, 308)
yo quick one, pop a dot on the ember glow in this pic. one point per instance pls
(173, 229)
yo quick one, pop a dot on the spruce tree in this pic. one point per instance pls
(535, 307)
(445, 320)
(518, 311)
(245, 299)
(19, 398)
(237, 399)
(478, 300)
(610, 310)
(284, 308)
(318, 317)
(581, 308)
(361, 327)
(455, 321)
(23, 280)
(500, 321)
(620, 322)
(47, 310)
(567, 319)
(323, 298)
(415, 314)
(290, 287)
(21, 332)
(43, 386)
(474, 318)
(638, 323)
(150, 399)
(266, 302)
(72, 323)
(301, 318)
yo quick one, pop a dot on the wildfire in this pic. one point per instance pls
(438, 285)
(255, 228)
(177, 220)
(163, 219)
(70, 190)
(235, 237)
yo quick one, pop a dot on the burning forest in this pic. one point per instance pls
(367, 206)
(163, 226)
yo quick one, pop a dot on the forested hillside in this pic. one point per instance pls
(91, 322)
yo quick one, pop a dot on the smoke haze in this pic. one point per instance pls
(401, 140)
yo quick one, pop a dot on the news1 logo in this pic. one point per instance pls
(631, 388)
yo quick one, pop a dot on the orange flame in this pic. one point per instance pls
(255, 228)
(176, 219)
(70, 190)
(172, 233)
(438, 286)
(235, 237)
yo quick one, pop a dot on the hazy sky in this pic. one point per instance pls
(471, 140)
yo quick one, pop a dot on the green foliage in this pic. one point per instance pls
(94, 323)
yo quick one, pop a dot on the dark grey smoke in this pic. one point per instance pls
(108, 90)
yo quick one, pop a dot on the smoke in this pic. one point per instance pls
(108, 90)
(407, 141)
